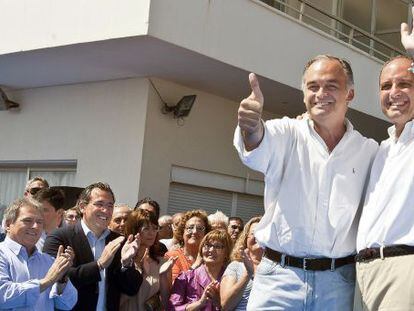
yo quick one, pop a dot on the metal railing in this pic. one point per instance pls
(338, 28)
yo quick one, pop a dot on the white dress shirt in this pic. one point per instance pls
(97, 245)
(41, 242)
(312, 197)
(20, 276)
(388, 216)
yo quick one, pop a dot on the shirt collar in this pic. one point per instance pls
(406, 134)
(348, 125)
(17, 248)
(89, 232)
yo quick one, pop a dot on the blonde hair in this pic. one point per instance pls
(241, 243)
(220, 236)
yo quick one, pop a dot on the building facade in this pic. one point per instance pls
(92, 78)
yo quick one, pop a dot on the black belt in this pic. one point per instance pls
(312, 264)
(388, 251)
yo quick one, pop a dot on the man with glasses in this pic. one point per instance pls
(34, 185)
(71, 216)
(102, 267)
(235, 227)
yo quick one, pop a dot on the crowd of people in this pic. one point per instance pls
(305, 253)
(100, 255)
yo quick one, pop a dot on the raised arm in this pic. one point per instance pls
(250, 115)
(407, 36)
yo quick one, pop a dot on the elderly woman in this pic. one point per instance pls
(238, 277)
(199, 289)
(147, 261)
(191, 230)
(218, 221)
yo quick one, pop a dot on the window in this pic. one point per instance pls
(14, 175)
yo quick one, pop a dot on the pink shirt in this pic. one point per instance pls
(188, 288)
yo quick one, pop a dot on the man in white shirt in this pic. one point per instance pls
(385, 243)
(315, 171)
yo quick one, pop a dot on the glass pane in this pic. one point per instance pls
(56, 178)
(11, 187)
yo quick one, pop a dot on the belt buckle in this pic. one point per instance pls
(305, 265)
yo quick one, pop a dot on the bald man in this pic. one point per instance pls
(119, 218)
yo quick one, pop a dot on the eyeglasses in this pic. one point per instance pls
(234, 227)
(215, 246)
(150, 228)
(191, 229)
(34, 190)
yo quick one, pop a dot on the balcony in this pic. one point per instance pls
(371, 26)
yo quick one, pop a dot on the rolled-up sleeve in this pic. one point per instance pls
(273, 145)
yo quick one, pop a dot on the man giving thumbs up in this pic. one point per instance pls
(315, 171)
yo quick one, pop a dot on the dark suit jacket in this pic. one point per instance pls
(84, 273)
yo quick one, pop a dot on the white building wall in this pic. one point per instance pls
(204, 142)
(250, 35)
(101, 125)
(34, 24)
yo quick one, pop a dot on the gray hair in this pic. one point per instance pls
(164, 219)
(346, 66)
(37, 178)
(218, 216)
(12, 212)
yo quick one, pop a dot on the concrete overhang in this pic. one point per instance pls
(145, 56)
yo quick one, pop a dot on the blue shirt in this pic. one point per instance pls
(97, 245)
(20, 276)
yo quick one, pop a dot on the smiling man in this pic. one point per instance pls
(103, 264)
(29, 279)
(385, 267)
(315, 171)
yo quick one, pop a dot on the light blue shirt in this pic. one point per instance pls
(97, 245)
(20, 277)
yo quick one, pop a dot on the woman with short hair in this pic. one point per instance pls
(199, 289)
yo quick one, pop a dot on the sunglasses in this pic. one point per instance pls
(34, 190)
(234, 227)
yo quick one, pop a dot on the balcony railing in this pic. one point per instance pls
(338, 28)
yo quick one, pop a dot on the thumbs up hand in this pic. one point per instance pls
(250, 110)
(250, 114)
